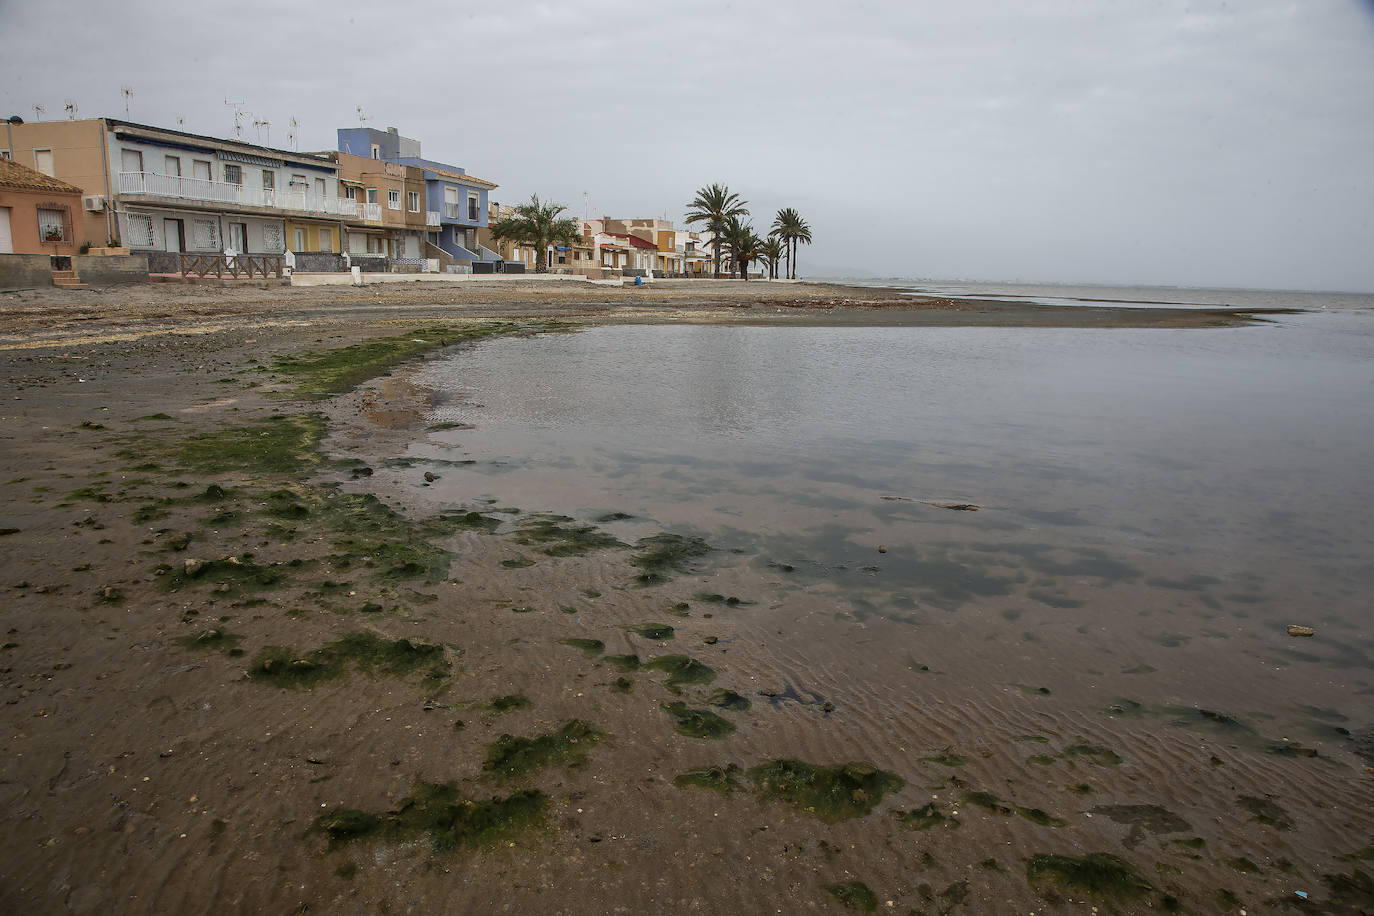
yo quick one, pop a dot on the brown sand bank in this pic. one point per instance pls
(172, 514)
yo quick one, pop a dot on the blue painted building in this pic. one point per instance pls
(460, 199)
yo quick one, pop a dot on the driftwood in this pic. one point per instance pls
(957, 507)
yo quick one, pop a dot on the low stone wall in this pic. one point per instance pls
(22, 271)
(111, 270)
(163, 262)
(372, 264)
(319, 261)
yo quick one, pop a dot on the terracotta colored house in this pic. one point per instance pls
(38, 214)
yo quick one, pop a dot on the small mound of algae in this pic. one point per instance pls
(510, 757)
(439, 811)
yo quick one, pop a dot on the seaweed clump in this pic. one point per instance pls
(665, 553)
(559, 540)
(437, 809)
(510, 757)
(1097, 874)
(925, 818)
(681, 669)
(283, 667)
(855, 895)
(723, 779)
(831, 793)
(697, 723)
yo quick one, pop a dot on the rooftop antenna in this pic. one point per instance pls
(70, 105)
(362, 118)
(238, 117)
(38, 112)
(292, 133)
(586, 209)
(181, 120)
(263, 126)
(128, 93)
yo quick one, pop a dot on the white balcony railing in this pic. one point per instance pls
(372, 212)
(431, 217)
(224, 192)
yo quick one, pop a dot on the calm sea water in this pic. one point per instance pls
(1224, 476)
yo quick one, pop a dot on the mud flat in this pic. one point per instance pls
(240, 675)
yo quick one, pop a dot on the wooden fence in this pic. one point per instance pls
(241, 265)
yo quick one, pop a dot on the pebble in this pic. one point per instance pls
(1295, 630)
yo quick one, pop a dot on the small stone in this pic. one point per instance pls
(319, 758)
(1295, 630)
(430, 476)
(711, 640)
(193, 566)
(882, 548)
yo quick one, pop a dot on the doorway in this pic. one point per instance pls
(238, 237)
(174, 235)
(6, 240)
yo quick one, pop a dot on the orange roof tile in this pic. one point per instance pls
(14, 175)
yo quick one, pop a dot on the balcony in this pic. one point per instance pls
(372, 212)
(431, 217)
(223, 192)
(453, 211)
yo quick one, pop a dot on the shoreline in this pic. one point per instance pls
(136, 738)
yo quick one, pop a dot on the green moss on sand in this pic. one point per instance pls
(697, 723)
(854, 895)
(439, 811)
(366, 652)
(511, 757)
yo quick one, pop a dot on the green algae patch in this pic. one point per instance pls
(663, 554)
(626, 663)
(588, 647)
(366, 652)
(509, 703)
(280, 444)
(213, 640)
(1099, 875)
(723, 779)
(697, 723)
(517, 562)
(990, 802)
(831, 793)
(511, 757)
(681, 669)
(1143, 819)
(925, 818)
(1103, 757)
(622, 685)
(727, 699)
(1265, 812)
(946, 758)
(471, 521)
(655, 631)
(439, 811)
(854, 895)
(239, 573)
(324, 372)
(552, 537)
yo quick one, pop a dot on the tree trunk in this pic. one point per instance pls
(715, 248)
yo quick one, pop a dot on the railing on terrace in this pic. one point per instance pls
(431, 217)
(228, 193)
(372, 211)
(240, 265)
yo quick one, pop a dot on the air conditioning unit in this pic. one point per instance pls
(94, 203)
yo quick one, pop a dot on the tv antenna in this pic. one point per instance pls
(263, 126)
(181, 120)
(128, 93)
(293, 131)
(238, 117)
(70, 105)
(586, 208)
(38, 112)
(362, 118)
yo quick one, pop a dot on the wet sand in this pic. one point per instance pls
(163, 759)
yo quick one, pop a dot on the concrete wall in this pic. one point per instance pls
(23, 206)
(319, 262)
(21, 271)
(111, 270)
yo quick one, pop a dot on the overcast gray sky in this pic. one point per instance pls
(1176, 143)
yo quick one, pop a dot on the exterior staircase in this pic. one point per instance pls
(67, 279)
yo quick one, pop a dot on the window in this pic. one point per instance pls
(233, 174)
(376, 151)
(300, 240)
(271, 238)
(138, 230)
(350, 192)
(269, 180)
(52, 225)
(42, 161)
(203, 235)
(320, 188)
(472, 206)
(372, 195)
(393, 200)
(374, 245)
(5, 154)
(326, 240)
(130, 160)
(298, 182)
(171, 165)
(200, 168)
(413, 199)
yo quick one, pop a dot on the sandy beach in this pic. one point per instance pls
(242, 674)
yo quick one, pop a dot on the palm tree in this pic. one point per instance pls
(791, 228)
(537, 224)
(772, 252)
(744, 245)
(714, 206)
